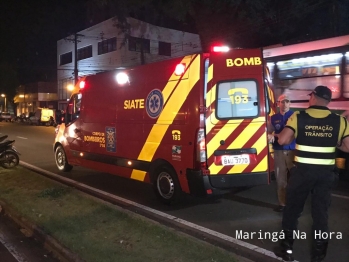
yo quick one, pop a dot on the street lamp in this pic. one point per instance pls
(70, 87)
(3, 95)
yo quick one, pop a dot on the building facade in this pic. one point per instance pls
(36, 95)
(105, 47)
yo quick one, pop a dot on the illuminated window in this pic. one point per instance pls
(346, 77)
(310, 66)
(297, 77)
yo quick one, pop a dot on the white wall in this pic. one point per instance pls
(182, 43)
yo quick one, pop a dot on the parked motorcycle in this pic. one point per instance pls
(20, 119)
(9, 156)
(51, 122)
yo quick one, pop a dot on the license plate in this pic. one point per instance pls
(235, 160)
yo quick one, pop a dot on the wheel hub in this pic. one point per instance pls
(165, 185)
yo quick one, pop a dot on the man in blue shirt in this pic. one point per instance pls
(283, 154)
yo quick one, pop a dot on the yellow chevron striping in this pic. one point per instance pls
(168, 89)
(214, 169)
(238, 142)
(152, 142)
(259, 145)
(272, 100)
(237, 169)
(169, 112)
(271, 94)
(222, 134)
(210, 73)
(138, 174)
(262, 166)
(243, 137)
(247, 133)
(211, 96)
(211, 121)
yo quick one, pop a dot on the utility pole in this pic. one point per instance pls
(75, 40)
(76, 75)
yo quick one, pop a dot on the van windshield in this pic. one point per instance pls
(237, 99)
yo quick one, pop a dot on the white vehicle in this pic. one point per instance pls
(5, 116)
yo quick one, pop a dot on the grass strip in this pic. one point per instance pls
(96, 230)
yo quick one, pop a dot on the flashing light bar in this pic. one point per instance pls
(82, 84)
(122, 78)
(220, 49)
(180, 69)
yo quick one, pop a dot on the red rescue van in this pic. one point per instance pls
(194, 124)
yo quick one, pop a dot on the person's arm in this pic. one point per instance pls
(344, 145)
(286, 136)
(289, 133)
(346, 114)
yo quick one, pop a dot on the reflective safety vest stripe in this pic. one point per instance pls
(316, 149)
(314, 161)
(317, 138)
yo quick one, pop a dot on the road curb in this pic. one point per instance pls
(32, 230)
(230, 244)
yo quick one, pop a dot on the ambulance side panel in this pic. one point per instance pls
(128, 129)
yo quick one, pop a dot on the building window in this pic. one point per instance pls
(164, 48)
(107, 46)
(138, 44)
(85, 52)
(66, 58)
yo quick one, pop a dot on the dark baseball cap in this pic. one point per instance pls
(323, 92)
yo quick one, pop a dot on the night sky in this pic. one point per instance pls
(29, 34)
(30, 30)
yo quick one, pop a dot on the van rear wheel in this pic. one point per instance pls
(61, 160)
(166, 185)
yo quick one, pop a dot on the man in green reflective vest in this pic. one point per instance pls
(318, 132)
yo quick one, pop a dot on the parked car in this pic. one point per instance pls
(5, 116)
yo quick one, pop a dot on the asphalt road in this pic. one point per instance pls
(247, 212)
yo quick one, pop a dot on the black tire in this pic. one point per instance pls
(61, 160)
(166, 185)
(9, 160)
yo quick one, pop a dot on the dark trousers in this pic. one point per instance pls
(307, 179)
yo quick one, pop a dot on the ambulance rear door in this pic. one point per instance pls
(235, 124)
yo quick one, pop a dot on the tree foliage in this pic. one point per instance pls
(239, 23)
